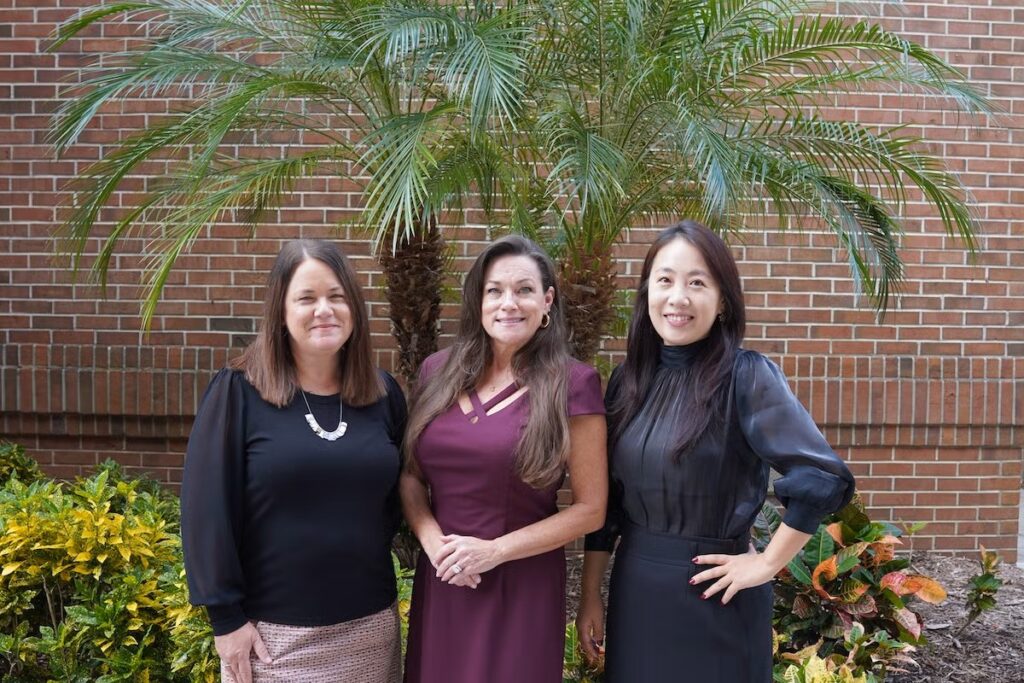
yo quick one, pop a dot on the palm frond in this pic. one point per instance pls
(587, 166)
(816, 46)
(399, 162)
(486, 67)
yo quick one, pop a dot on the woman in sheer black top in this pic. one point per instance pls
(696, 423)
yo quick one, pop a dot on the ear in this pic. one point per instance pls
(549, 298)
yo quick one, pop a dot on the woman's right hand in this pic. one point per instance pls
(234, 649)
(590, 626)
(464, 579)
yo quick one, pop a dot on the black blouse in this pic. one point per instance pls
(717, 488)
(280, 525)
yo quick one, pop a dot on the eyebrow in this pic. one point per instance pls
(309, 290)
(518, 282)
(666, 269)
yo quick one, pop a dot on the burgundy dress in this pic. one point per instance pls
(511, 628)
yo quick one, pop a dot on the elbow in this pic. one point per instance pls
(592, 518)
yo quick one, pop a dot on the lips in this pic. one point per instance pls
(510, 321)
(678, 319)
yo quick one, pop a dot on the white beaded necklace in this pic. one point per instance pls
(320, 431)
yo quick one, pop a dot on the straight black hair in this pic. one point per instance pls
(704, 388)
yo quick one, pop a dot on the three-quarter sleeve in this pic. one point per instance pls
(604, 538)
(814, 481)
(212, 503)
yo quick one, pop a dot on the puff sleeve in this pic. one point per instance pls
(814, 482)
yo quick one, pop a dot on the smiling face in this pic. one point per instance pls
(316, 311)
(514, 302)
(683, 300)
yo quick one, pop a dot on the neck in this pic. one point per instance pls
(317, 374)
(501, 360)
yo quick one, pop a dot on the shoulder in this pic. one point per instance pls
(226, 392)
(581, 373)
(584, 392)
(751, 364)
(759, 381)
(432, 363)
(391, 384)
(227, 380)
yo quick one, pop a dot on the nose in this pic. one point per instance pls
(508, 300)
(679, 296)
(323, 307)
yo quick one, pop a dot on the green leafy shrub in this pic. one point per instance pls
(845, 596)
(806, 666)
(14, 464)
(981, 594)
(91, 585)
(575, 667)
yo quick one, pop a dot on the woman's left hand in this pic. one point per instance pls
(468, 553)
(734, 573)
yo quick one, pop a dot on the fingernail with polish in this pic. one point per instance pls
(693, 582)
(694, 560)
(703, 596)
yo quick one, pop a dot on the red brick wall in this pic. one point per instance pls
(927, 406)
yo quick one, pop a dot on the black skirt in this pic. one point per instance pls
(661, 631)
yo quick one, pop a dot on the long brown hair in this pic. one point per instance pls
(707, 384)
(268, 363)
(542, 365)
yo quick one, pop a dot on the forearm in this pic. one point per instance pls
(550, 533)
(416, 507)
(595, 564)
(785, 544)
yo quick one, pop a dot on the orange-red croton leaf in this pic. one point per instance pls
(925, 588)
(827, 570)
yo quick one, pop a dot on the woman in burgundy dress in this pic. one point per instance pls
(497, 420)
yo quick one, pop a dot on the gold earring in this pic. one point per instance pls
(545, 320)
(721, 317)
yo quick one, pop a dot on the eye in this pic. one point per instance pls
(337, 297)
(697, 283)
(526, 290)
(492, 291)
(663, 280)
(305, 299)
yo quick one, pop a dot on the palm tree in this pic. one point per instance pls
(398, 98)
(646, 110)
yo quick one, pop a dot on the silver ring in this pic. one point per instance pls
(457, 569)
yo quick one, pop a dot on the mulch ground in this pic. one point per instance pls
(990, 650)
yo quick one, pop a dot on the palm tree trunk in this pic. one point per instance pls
(413, 275)
(588, 280)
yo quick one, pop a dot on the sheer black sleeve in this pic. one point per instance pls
(814, 482)
(604, 538)
(212, 503)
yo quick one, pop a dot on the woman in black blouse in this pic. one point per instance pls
(695, 424)
(289, 499)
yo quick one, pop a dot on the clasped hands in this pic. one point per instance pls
(462, 559)
(734, 573)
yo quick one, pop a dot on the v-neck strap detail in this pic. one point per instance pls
(484, 406)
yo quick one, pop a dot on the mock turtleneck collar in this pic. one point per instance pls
(681, 356)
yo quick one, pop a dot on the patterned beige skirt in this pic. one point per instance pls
(365, 650)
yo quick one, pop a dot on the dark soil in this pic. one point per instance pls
(990, 650)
